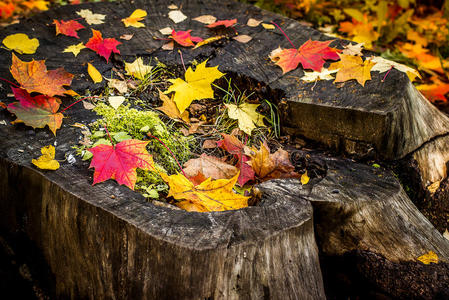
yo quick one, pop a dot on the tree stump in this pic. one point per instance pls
(105, 241)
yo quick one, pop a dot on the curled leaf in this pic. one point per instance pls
(47, 160)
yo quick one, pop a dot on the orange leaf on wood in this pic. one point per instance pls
(184, 38)
(34, 77)
(209, 166)
(225, 23)
(352, 67)
(37, 112)
(104, 47)
(435, 91)
(68, 28)
(119, 162)
(311, 55)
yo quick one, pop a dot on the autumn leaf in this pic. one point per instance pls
(325, 74)
(90, 17)
(119, 162)
(37, 112)
(68, 28)
(429, 257)
(270, 166)
(34, 77)
(383, 65)
(424, 59)
(75, 49)
(6, 10)
(47, 160)
(197, 85)
(134, 18)
(177, 16)
(170, 109)
(184, 38)
(434, 91)
(225, 23)
(209, 195)
(209, 166)
(137, 69)
(352, 67)
(21, 43)
(94, 74)
(351, 49)
(311, 55)
(205, 19)
(209, 40)
(246, 115)
(360, 32)
(103, 47)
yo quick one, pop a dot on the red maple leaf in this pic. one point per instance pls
(225, 23)
(119, 162)
(37, 111)
(311, 55)
(234, 146)
(184, 38)
(68, 28)
(104, 47)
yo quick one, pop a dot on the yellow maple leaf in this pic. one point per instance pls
(75, 49)
(352, 67)
(197, 85)
(94, 74)
(134, 18)
(21, 43)
(170, 109)
(137, 69)
(39, 4)
(429, 257)
(47, 160)
(209, 195)
(246, 115)
(360, 32)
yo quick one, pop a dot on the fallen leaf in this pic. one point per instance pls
(268, 26)
(119, 85)
(429, 257)
(34, 77)
(184, 38)
(116, 101)
(446, 234)
(351, 49)
(68, 28)
(209, 195)
(177, 16)
(88, 105)
(304, 178)
(432, 188)
(168, 46)
(225, 23)
(21, 43)
(270, 166)
(119, 162)
(311, 54)
(137, 69)
(209, 144)
(126, 37)
(243, 38)
(247, 117)
(352, 67)
(172, 6)
(360, 32)
(94, 74)
(170, 109)
(37, 112)
(134, 18)
(209, 166)
(205, 19)
(75, 49)
(91, 18)
(325, 74)
(103, 47)
(253, 22)
(435, 91)
(383, 65)
(197, 85)
(47, 160)
(209, 40)
(166, 30)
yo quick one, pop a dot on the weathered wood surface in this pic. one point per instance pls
(98, 247)
(367, 226)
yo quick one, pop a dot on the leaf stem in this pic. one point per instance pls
(166, 147)
(76, 103)
(107, 131)
(387, 73)
(182, 60)
(291, 43)
(6, 80)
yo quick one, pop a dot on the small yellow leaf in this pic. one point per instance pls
(94, 74)
(304, 178)
(246, 115)
(170, 109)
(47, 160)
(90, 17)
(137, 69)
(75, 49)
(134, 18)
(268, 26)
(429, 257)
(21, 43)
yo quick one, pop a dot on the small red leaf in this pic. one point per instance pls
(104, 47)
(225, 23)
(184, 38)
(68, 28)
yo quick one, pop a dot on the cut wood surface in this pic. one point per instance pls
(105, 241)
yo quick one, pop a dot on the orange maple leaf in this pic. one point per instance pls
(360, 32)
(68, 28)
(311, 54)
(225, 23)
(34, 77)
(119, 162)
(352, 67)
(37, 111)
(184, 38)
(104, 47)
(435, 91)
